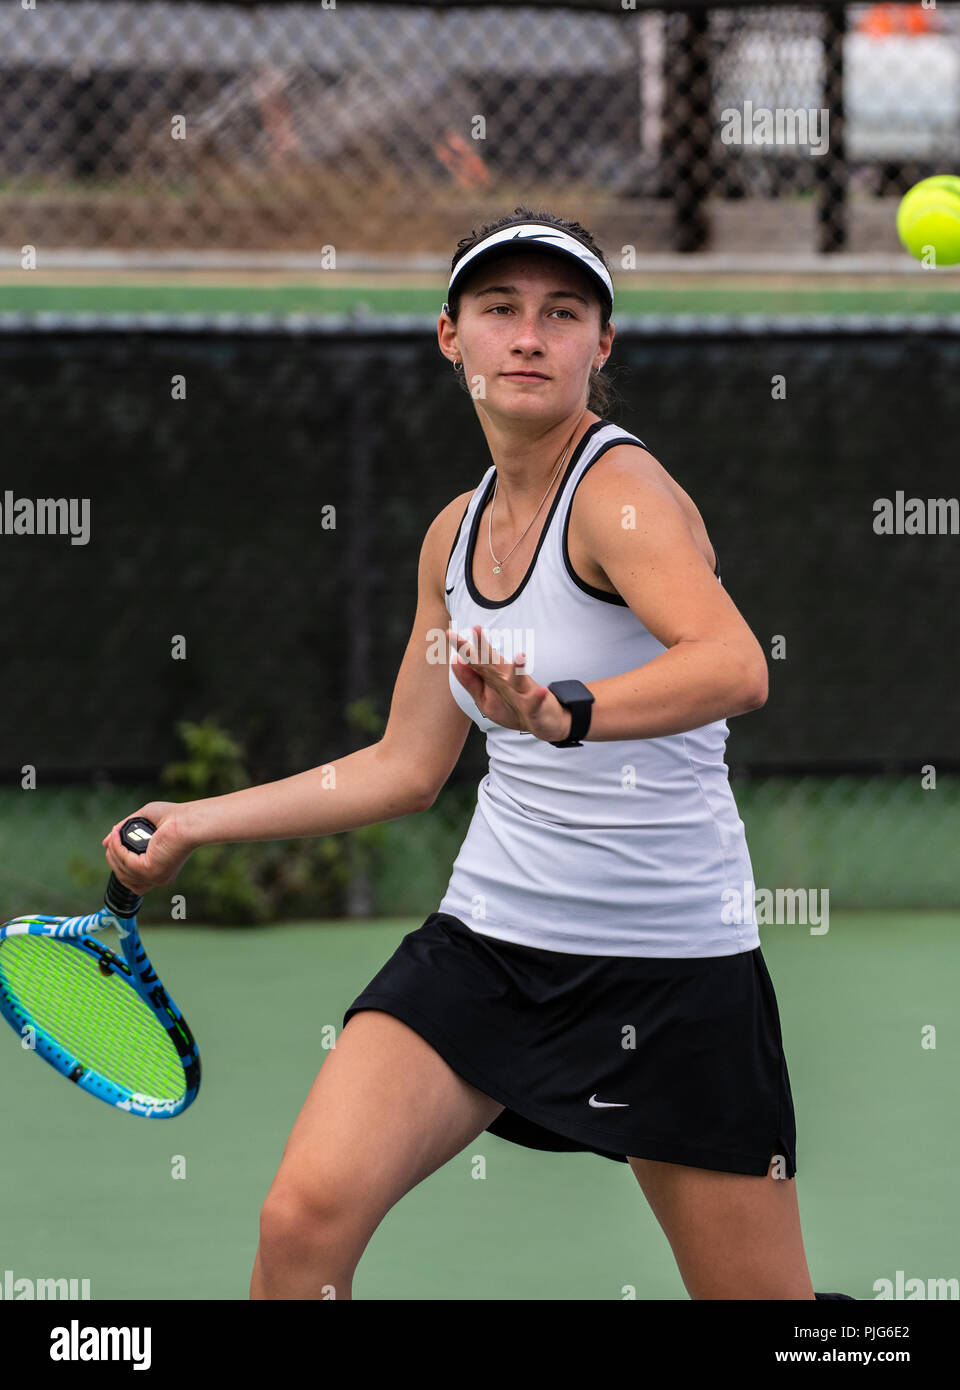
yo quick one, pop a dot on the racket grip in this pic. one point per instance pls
(135, 835)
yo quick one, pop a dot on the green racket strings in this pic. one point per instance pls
(95, 1017)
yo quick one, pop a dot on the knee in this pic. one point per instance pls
(295, 1225)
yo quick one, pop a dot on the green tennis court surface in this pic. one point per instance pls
(89, 1192)
(940, 296)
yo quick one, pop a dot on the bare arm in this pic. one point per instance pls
(394, 777)
(713, 667)
(361, 788)
(400, 774)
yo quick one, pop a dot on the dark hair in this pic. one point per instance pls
(601, 393)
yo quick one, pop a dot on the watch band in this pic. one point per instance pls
(575, 697)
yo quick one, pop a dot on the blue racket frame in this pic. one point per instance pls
(139, 974)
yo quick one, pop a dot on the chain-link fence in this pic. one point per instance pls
(378, 130)
(375, 133)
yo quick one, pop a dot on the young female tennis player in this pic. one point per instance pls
(584, 983)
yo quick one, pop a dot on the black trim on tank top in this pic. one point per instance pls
(582, 583)
(472, 538)
(446, 568)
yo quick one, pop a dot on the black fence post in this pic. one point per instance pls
(686, 127)
(830, 169)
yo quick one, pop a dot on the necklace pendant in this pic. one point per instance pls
(496, 569)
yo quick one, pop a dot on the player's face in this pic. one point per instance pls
(529, 333)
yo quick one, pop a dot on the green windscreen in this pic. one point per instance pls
(97, 1018)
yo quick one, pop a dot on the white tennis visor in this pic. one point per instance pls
(538, 236)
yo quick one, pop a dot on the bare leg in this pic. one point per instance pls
(384, 1112)
(733, 1236)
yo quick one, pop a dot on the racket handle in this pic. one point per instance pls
(135, 835)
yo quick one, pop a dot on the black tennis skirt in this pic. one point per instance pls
(677, 1059)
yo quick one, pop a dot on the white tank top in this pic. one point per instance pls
(629, 847)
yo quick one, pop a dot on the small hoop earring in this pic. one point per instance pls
(458, 365)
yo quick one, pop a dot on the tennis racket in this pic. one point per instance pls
(102, 1019)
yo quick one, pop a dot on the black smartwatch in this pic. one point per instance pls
(575, 697)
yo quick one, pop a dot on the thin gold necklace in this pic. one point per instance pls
(498, 564)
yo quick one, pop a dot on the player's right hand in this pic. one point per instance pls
(165, 855)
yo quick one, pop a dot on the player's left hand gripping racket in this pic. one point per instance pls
(102, 1019)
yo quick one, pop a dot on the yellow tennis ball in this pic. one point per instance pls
(929, 216)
